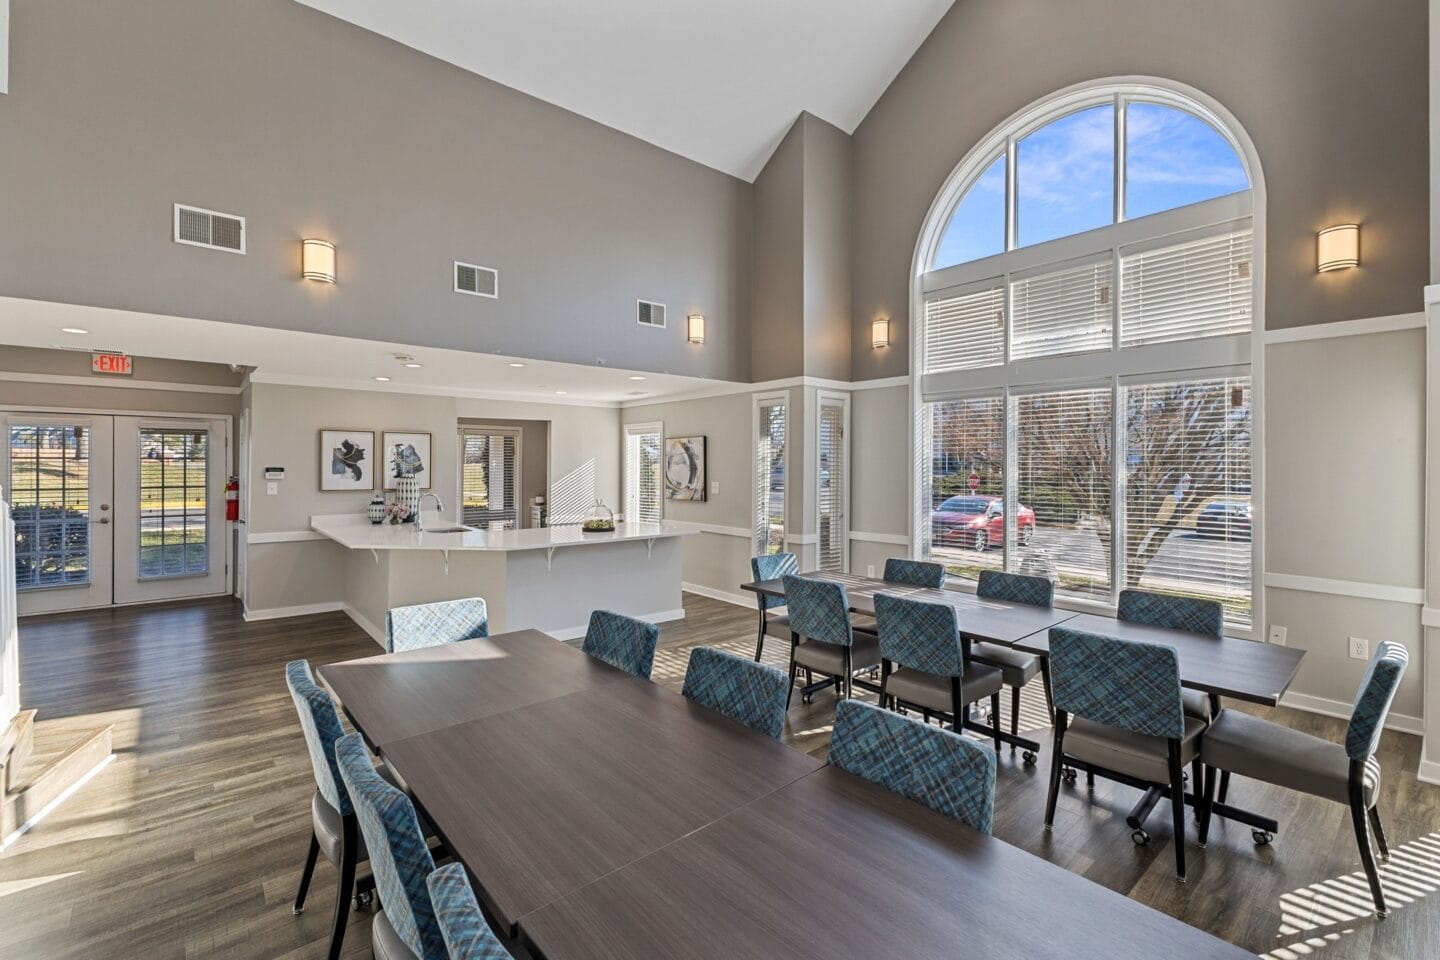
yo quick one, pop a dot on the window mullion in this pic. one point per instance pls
(1120, 110)
(1011, 477)
(1012, 225)
(1119, 457)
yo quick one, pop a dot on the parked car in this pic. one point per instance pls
(1224, 520)
(978, 522)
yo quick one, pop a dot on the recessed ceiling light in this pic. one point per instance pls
(413, 365)
(517, 366)
(383, 379)
(76, 330)
(561, 393)
(637, 377)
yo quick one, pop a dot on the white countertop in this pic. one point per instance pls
(358, 533)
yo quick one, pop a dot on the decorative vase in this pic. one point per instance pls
(376, 510)
(407, 491)
(601, 519)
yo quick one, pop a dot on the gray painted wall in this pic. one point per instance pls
(1331, 92)
(827, 250)
(310, 126)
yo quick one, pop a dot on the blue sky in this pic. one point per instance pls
(1064, 178)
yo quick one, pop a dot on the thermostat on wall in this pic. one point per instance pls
(274, 473)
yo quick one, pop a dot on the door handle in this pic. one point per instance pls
(102, 520)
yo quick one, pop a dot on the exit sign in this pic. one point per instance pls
(115, 364)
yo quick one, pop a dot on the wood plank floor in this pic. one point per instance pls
(189, 844)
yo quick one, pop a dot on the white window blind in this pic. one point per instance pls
(832, 498)
(644, 485)
(489, 476)
(1201, 288)
(967, 447)
(964, 331)
(1187, 490)
(1060, 311)
(1063, 481)
(770, 475)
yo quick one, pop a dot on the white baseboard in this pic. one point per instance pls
(300, 610)
(739, 599)
(1429, 772)
(1402, 722)
(575, 633)
(376, 634)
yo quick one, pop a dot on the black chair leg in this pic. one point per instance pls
(793, 670)
(1177, 807)
(349, 846)
(1045, 680)
(995, 719)
(1014, 714)
(1224, 785)
(1206, 808)
(1197, 784)
(305, 874)
(1379, 832)
(760, 640)
(1367, 857)
(1057, 760)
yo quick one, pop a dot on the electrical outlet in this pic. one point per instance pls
(1277, 634)
(272, 488)
(1359, 648)
(714, 488)
(870, 570)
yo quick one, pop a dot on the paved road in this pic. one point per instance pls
(1184, 558)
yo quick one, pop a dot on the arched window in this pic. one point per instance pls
(1085, 298)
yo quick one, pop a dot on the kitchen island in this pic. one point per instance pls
(549, 578)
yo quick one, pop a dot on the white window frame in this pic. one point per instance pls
(489, 430)
(1203, 357)
(757, 401)
(631, 485)
(822, 397)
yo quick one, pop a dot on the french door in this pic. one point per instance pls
(115, 509)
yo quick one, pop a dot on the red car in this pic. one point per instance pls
(978, 522)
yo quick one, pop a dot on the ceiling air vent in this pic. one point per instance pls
(209, 228)
(476, 280)
(650, 314)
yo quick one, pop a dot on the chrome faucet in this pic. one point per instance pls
(420, 510)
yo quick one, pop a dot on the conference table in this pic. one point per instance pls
(600, 815)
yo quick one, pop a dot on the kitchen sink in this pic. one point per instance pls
(448, 529)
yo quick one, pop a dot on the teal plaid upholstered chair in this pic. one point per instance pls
(745, 691)
(431, 624)
(927, 764)
(623, 642)
(923, 662)
(1263, 750)
(405, 927)
(467, 935)
(1190, 614)
(334, 831)
(910, 573)
(820, 636)
(1016, 668)
(771, 566)
(1118, 713)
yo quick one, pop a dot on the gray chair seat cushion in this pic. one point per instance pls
(385, 943)
(1197, 704)
(1273, 753)
(326, 821)
(778, 627)
(932, 691)
(1016, 668)
(1139, 756)
(829, 658)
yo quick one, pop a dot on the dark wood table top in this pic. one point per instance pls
(980, 619)
(832, 865)
(540, 800)
(1240, 669)
(398, 695)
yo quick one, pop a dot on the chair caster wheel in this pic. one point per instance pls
(806, 698)
(1069, 774)
(1029, 757)
(296, 911)
(361, 901)
(1262, 837)
(1140, 837)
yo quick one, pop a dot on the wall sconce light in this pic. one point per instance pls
(695, 328)
(317, 260)
(1337, 247)
(880, 332)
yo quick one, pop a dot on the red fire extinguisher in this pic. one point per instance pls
(232, 499)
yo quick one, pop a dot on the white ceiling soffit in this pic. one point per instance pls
(718, 81)
(321, 360)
